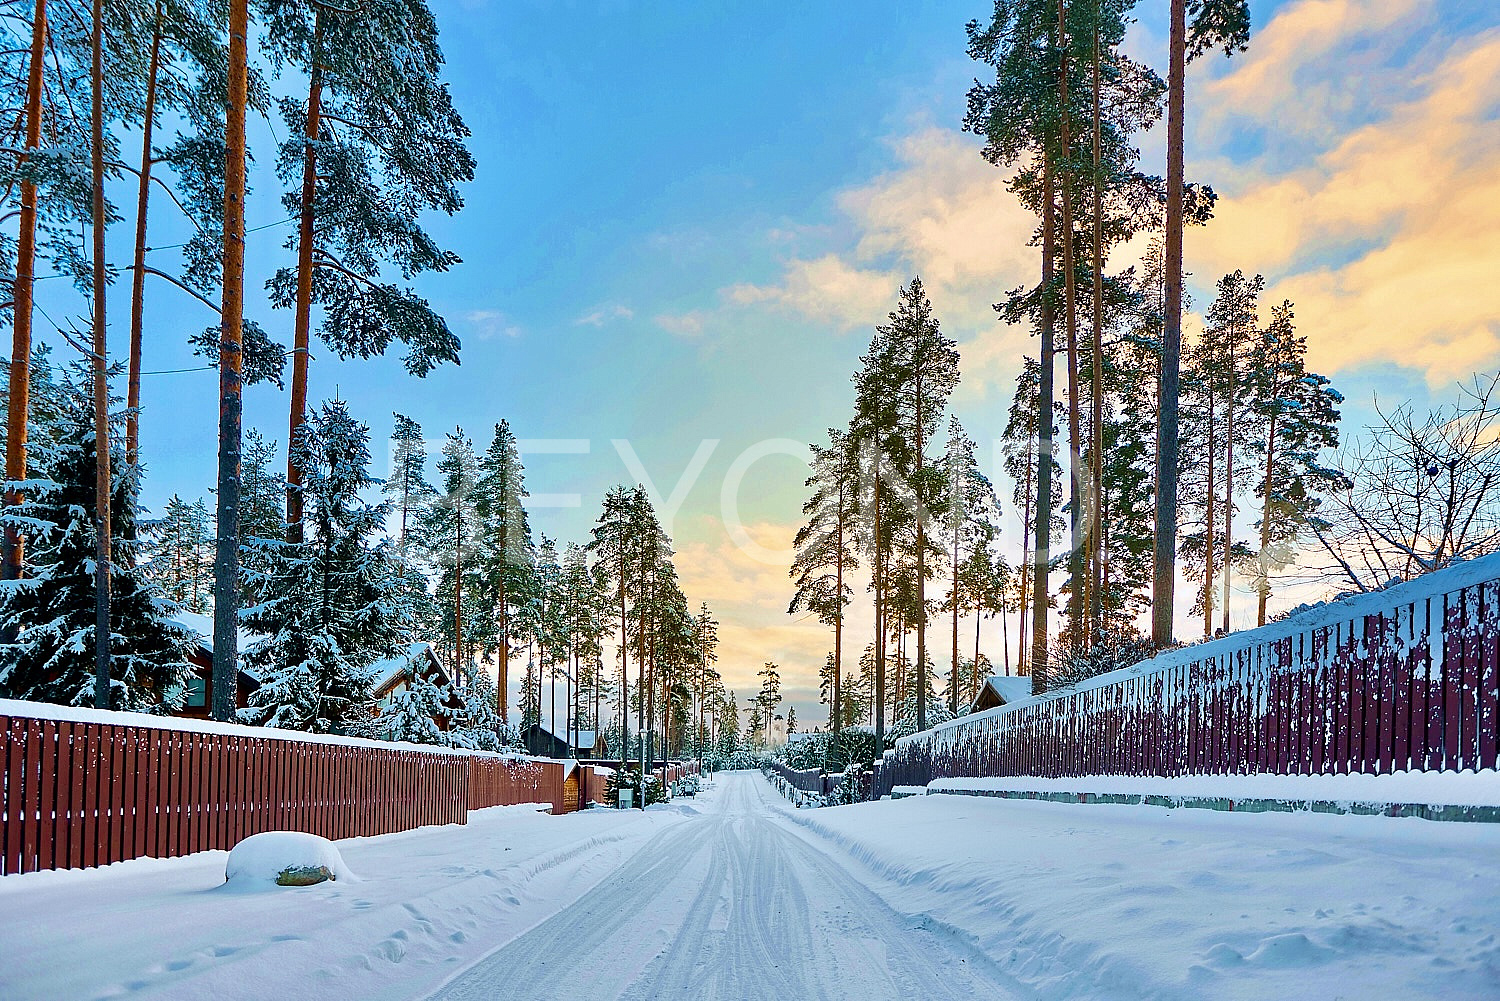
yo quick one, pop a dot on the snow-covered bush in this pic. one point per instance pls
(850, 786)
(687, 785)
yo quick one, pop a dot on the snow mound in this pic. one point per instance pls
(257, 861)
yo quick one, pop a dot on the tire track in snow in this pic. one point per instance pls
(729, 906)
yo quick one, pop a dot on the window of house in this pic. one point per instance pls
(197, 692)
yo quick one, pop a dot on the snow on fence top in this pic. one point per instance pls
(46, 710)
(1345, 609)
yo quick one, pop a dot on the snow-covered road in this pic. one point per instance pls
(736, 895)
(733, 906)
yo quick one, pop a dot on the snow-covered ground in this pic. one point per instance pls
(734, 895)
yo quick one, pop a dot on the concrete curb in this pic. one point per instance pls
(1424, 811)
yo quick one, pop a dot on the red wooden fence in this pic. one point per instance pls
(503, 781)
(1405, 679)
(95, 788)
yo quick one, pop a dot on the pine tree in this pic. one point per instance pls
(971, 520)
(826, 554)
(1216, 24)
(1021, 437)
(407, 489)
(231, 362)
(450, 534)
(1218, 394)
(505, 556)
(769, 696)
(1299, 413)
(375, 144)
(330, 606)
(178, 551)
(613, 546)
(928, 367)
(182, 69)
(52, 613)
(46, 187)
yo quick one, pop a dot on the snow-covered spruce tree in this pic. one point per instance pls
(414, 712)
(331, 605)
(450, 532)
(477, 725)
(51, 613)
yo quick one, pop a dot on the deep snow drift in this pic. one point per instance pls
(736, 895)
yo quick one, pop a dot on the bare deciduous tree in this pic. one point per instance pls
(1424, 491)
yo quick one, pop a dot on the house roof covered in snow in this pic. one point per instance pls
(583, 740)
(1002, 690)
(387, 671)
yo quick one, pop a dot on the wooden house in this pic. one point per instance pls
(199, 700)
(540, 740)
(394, 675)
(1001, 690)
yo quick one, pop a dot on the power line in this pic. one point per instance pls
(257, 229)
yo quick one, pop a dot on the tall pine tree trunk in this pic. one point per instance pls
(836, 720)
(138, 274)
(1025, 548)
(1042, 564)
(1229, 472)
(1164, 568)
(921, 567)
(879, 582)
(1264, 585)
(1096, 520)
(226, 559)
(1208, 527)
(953, 671)
(1076, 586)
(303, 320)
(19, 405)
(101, 379)
(624, 673)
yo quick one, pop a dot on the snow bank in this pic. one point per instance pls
(428, 902)
(256, 862)
(1135, 902)
(1434, 788)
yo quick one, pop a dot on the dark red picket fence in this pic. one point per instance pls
(1405, 679)
(79, 792)
(807, 779)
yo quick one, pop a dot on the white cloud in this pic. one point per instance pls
(689, 324)
(604, 314)
(490, 324)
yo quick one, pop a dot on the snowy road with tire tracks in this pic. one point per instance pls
(732, 905)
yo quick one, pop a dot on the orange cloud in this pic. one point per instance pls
(1406, 210)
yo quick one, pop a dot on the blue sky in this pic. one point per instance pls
(686, 218)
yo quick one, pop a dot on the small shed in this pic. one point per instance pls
(1001, 690)
(541, 741)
